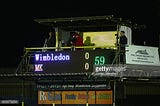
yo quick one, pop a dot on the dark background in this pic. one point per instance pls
(19, 30)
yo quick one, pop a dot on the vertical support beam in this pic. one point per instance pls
(22, 92)
(117, 36)
(22, 103)
(124, 89)
(57, 38)
(87, 96)
(53, 104)
(86, 104)
(114, 96)
(118, 48)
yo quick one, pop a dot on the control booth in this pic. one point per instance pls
(87, 74)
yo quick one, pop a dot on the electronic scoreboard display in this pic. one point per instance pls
(79, 61)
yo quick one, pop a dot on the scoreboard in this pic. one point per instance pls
(79, 61)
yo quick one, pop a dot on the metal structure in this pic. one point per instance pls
(91, 23)
(88, 23)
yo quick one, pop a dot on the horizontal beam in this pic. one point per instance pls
(71, 19)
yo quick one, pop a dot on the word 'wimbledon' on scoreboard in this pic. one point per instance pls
(78, 61)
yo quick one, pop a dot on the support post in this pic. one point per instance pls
(114, 96)
(57, 38)
(53, 104)
(87, 98)
(22, 103)
(23, 92)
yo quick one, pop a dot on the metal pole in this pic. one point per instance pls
(57, 38)
(114, 96)
(118, 48)
(87, 97)
(22, 103)
(23, 92)
(53, 104)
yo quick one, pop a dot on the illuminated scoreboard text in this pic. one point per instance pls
(70, 61)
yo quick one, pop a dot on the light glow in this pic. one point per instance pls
(106, 38)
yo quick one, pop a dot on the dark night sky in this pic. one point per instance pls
(18, 29)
